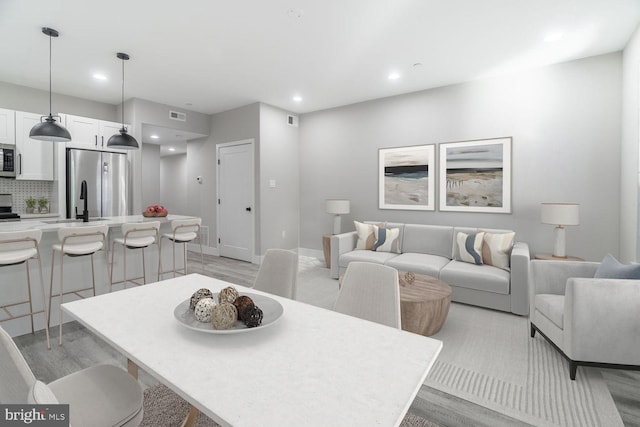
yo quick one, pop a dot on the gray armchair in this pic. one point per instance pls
(591, 322)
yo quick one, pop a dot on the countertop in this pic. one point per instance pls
(48, 225)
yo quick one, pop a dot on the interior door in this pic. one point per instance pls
(236, 200)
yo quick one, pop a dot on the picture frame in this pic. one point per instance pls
(475, 176)
(407, 178)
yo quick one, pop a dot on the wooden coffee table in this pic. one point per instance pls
(424, 304)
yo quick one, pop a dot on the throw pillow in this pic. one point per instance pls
(611, 268)
(496, 249)
(366, 235)
(470, 247)
(387, 239)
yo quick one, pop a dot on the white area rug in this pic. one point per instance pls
(489, 359)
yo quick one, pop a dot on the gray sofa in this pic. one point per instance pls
(429, 249)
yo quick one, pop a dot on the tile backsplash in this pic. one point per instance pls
(21, 190)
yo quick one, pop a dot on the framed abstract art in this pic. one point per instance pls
(475, 176)
(407, 178)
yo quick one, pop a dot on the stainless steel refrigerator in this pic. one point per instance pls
(108, 184)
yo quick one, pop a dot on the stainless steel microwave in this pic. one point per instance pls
(8, 164)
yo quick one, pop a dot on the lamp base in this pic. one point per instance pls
(336, 224)
(559, 247)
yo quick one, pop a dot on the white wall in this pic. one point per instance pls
(629, 177)
(565, 123)
(173, 183)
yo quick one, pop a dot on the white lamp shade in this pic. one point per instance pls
(337, 206)
(560, 213)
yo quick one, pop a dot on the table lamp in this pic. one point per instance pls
(337, 207)
(560, 214)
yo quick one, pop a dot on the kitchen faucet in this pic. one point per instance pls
(83, 196)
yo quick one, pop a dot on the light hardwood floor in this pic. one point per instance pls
(81, 349)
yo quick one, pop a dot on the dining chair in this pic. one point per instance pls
(102, 395)
(370, 291)
(75, 242)
(135, 235)
(17, 247)
(278, 273)
(183, 231)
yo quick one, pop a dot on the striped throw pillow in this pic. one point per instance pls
(470, 247)
(387, 239)
(496, 249)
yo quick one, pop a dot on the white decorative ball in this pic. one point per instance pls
(204, 308)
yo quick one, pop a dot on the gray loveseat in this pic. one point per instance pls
(430, 249)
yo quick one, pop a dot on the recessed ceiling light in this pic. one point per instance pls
(172, 149)
(553, 37)
(154, 136)
(394, 76)
(297, 98)
(99, 76)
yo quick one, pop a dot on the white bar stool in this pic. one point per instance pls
(135, 235)
(184, 231)
(17, 247)
(76, 242)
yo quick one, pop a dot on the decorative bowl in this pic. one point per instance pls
(153, 214)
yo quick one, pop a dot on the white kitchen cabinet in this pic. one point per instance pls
(90, 133)
(34, 158)
(7, 127)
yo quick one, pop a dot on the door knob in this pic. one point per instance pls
(248, 209)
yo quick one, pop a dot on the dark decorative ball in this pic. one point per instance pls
(241, 303)
(198, 295)
(252, 316)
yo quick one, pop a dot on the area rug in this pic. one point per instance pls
(489, 359)
(162, 407)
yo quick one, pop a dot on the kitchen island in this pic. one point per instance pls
(77, 270)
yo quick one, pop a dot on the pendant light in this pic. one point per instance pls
(122, 140)
(50, 129)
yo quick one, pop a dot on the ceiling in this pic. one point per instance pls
(211, 56)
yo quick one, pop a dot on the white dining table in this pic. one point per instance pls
(312, 367)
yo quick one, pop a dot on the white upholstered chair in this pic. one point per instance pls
(135, 235)
(17, 247)
(278, 273)
(590, 321)
(370, 291)
(75, 242)
(183, 231)
(102, 395)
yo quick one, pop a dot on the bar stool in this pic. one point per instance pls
(184, 231)
(17, 247)
(135, 235)
(76, 242)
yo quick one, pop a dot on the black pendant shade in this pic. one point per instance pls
(123, 140)
(49, 129)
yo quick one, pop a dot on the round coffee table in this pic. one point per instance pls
(424, 304)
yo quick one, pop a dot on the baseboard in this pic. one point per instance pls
(208, 250)
(256, 259)
(315, 253)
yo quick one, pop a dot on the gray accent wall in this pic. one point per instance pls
(279, 159)
(233, 125)
(151, 183)
(173, 182)
(565, 121)
(629, 172)
(22, 98)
